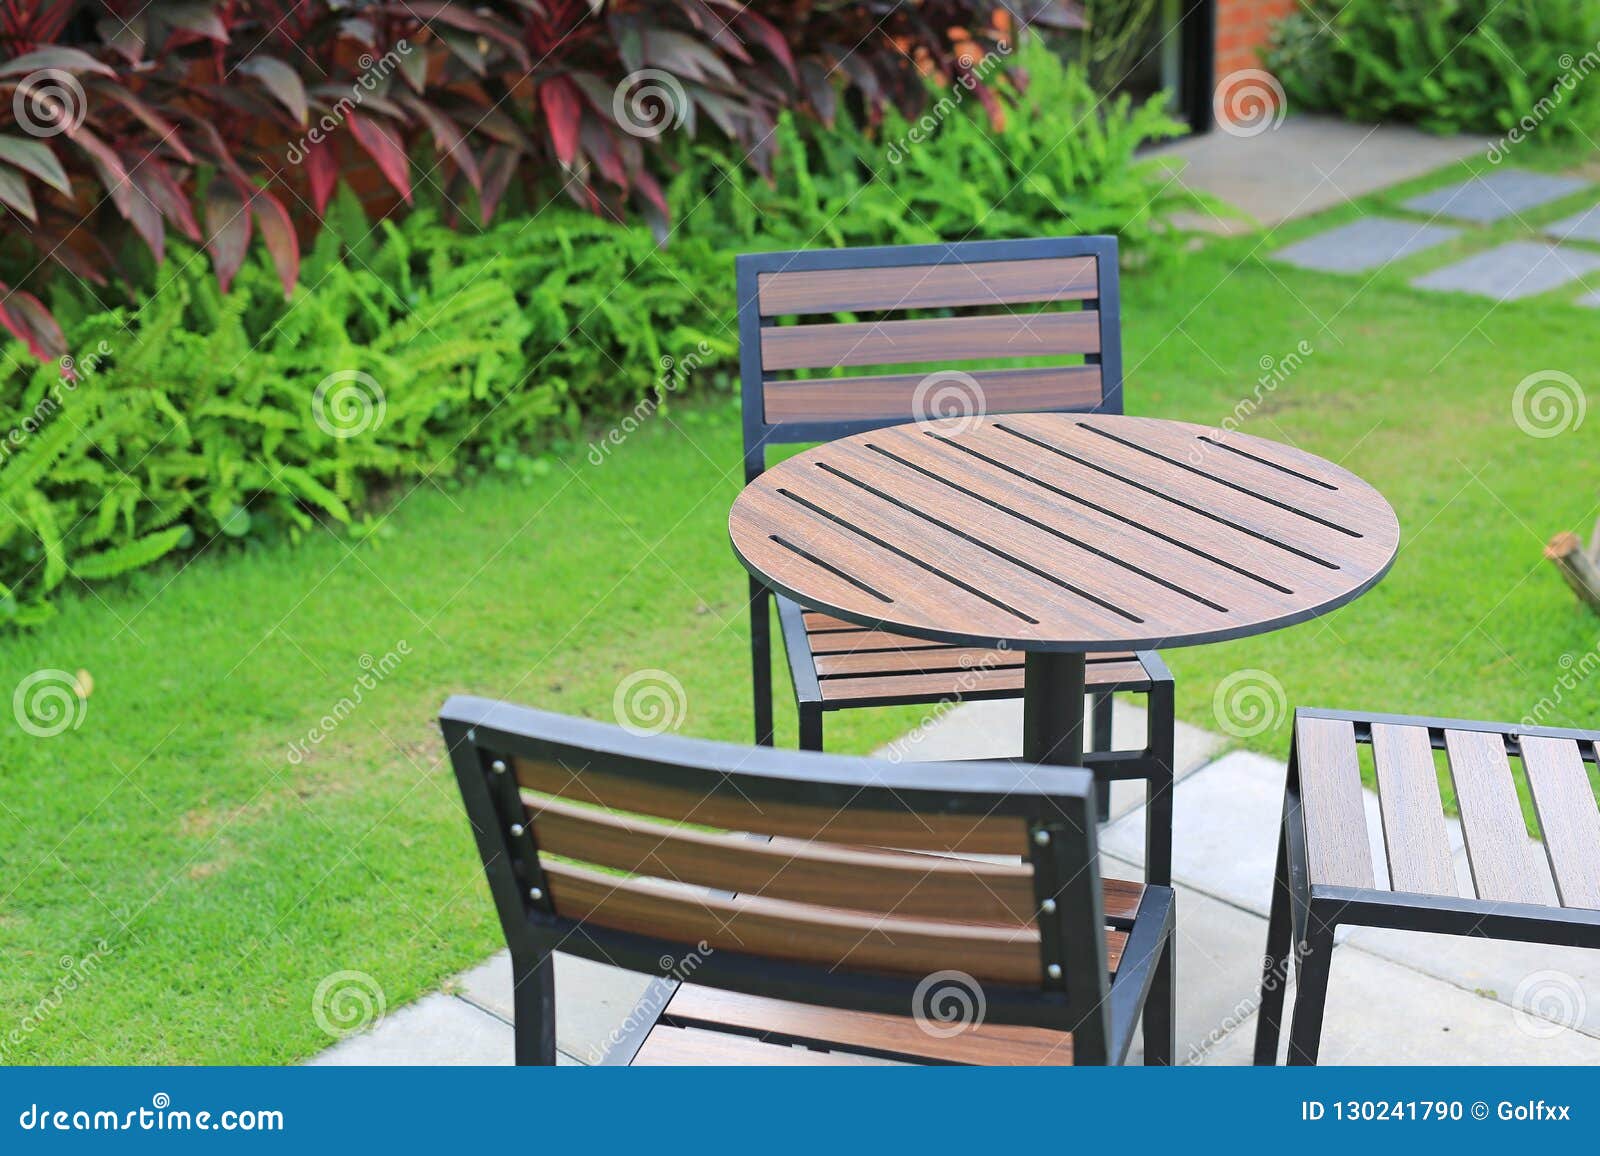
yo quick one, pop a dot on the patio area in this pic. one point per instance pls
(1395, 998)
(1040, 440)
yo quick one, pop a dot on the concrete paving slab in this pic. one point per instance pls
(1305, 165)
(1225, 820)
(1364, 245)
(1583, 227)
(1590, 300)
(1379, 1012)
(1513, 270)
(1218, 967)
(1496, 195)
(592, 1000)
(437, 1029)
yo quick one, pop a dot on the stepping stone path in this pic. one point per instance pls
(1369, 243)
(1584, 227)
(1497, 195)
(1515, 269)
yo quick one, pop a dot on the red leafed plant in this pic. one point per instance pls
(231, 120)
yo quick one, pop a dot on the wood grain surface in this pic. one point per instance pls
(1069, 532)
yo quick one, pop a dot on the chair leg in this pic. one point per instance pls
(1161, 719)
(534, 1002)
(1275, 963)
(761, 660)
(811, 726)
(1161, 1009)
(1100, 740)
(1311, 969)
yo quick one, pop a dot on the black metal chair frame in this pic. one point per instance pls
(1054, 805)
(1304, 918)
(1154, 761)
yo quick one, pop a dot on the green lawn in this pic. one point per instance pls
(227, 880)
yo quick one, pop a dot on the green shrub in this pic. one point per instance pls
(191, 416)
(1447, 65)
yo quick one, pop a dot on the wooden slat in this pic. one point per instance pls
(825, 936)
(1330, 791)
(939, 658)
(730, 811)
(816, 621)
(904, 397)
(1491, 818)
(936, 340)
(1155, 542)
(1414, 832)
(989, 1044)
(669, 1047)
(927, 286)
(1129, 676)
(1010, 467)
(861, 641)
(1568, 817)
(859, 878)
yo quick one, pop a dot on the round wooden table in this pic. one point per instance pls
(1061, 534)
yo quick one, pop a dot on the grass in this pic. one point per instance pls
(226, 880)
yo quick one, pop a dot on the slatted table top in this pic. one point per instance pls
(1064, 532)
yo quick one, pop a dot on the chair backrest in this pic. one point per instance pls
(772, 867)
(1048, 306)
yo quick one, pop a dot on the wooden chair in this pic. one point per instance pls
(980, 302)
(809, 942)
(1325, 872)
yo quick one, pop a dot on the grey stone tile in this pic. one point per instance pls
(436, 1030)
(1225, 820)
(1496, 195)
(1515, 269)
(1590, 300)
(1381, 1013)
(1583, 227)
(1363, 245)
(592, 1000)
(1218, 957)
(1305, 165)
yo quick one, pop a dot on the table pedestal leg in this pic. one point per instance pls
(1052, 708)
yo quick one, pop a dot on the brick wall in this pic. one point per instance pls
(1243, 27)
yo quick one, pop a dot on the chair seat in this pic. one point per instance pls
(1506, 866)
(707, 1026)
(857, 666)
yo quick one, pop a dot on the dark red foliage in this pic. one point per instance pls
(231, 120)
